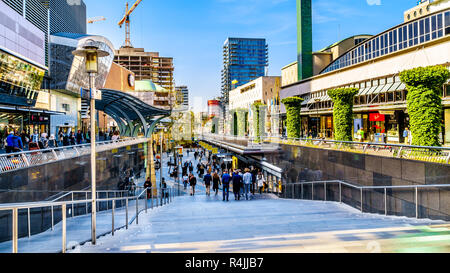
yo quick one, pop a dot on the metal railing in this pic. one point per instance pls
(156, 197)
(15, 161)
(299, 191)
(420, 153)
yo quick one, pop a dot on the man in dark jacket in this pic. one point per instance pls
(148, 185)
(192, 183)
(17, 143)
(79, 137)
(10, 143)
(237, 180)
(226, 178)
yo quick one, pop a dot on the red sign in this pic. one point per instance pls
(377, 117)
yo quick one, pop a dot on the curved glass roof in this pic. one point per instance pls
(148, 85)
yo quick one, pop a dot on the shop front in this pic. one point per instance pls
(381, 126)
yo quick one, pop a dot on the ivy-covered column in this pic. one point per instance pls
(343, 112)
(241, 122)
(425, 86)
(259, 114)
(293, 123)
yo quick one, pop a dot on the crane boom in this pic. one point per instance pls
(126, 20)
(128, 12)
(96, 19)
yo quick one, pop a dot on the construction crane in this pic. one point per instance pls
(126, 20)
(96, 19)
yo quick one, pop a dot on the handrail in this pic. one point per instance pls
(420, 153)
(15, 161)
(166, 198)
(362, 188)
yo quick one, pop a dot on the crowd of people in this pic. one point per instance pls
(17, 142)
(243, 183)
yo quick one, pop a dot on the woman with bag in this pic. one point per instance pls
(261, 182)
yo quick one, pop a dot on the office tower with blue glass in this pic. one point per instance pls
(244, 60)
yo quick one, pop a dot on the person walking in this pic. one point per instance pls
(79, 137)
(237, 180)
(260, 180)
(192, 183)
(10, 143)
(185, 181)
(247, 182)
(207, 179)
(72, 139)
(52, 143)
(226, 178)
(148, 185)
(17, 143)
(216, 182)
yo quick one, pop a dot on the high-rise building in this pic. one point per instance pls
(244, 59)
(147, 66)
(34, 12)
(182, 95)
(66, 15)
(304, 39)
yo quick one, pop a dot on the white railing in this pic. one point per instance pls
(15, 161)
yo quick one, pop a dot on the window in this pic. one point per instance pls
(66, 107)
(447, 23)
(390, 96)
(447, 90)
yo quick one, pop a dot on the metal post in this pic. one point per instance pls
(137, 210)
(112, 213)
(126, 212)
(417, 202)
(72, 205)
(385, 202)
(302, 188)
(312, 185)
(151, 196)
(325, 191)
(87, 211)
(93, 161)
(340, 192)
(53, 219)
(146, 200)
(15, 230)
(64, 235)
(293, 191)
(29, 223)
(362, 209)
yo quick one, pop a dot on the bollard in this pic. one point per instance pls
(64, 235)
(15, 230)
(126, 212)
(29, 223)
(137, 210)
(112, 214)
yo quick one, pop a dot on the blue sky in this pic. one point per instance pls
(193, 31)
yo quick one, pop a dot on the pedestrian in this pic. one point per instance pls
(148, 185)
(408, 136)
(79, 137)
(17, 143)
(52, 143)
(72, 139)
(192, 183)
(43, 141)
(226, 178)
(185, 181)
(10, 143)
(216, 182)
(237, 180)
(247, 182)
(207, 179)
(66, 140)
(254, 173)
(261, 182)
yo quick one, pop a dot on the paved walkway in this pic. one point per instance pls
(268, 224)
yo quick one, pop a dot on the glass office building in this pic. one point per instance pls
(244, 60)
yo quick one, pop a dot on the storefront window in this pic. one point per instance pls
(447, 126)
(398, 96)
(382, 97)
(390, 96)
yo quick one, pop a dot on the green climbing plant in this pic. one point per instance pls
(293, 122)
(258, 124)
(425, 86)
(343, 112)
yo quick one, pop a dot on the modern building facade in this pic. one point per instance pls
(182, 96)
(22, 67)
(264, 90)
(66, 16)
(147, 66)
(373, 67)
(154, 94)
(244, 59)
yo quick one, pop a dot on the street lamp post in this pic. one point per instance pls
(90, 52)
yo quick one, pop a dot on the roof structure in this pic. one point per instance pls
(131, 114)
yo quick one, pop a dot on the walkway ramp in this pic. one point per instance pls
(268, 224)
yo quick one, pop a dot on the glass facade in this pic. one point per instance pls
(19, 81)
(244, 60)
(404, 36)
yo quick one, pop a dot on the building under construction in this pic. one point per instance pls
(147, 65)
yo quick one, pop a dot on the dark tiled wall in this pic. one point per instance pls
(312, 164)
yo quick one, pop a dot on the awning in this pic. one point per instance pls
(30, 110)
(386, 88)
(378, 90)
(395, 87)
(371, 90)
(362, 91)
(129, 111)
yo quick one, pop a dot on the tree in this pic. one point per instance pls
(293, 109)
(425, 86)
(343, 112)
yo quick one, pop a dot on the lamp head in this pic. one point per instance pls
(91, 52)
